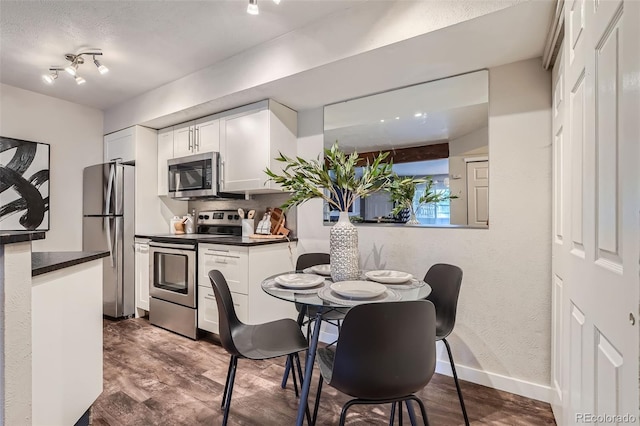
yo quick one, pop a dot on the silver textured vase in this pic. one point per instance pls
(343, 249)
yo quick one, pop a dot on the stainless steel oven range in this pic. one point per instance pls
(173, 302)
(173, 271)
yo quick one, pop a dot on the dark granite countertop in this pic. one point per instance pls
(49, 261)
(212, 239)
(9, 237)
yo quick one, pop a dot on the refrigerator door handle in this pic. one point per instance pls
(112, 176)
(107, 225)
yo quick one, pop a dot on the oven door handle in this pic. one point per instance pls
(173, 246)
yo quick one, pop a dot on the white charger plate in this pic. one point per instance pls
(299, 280)
(358, 289)
(388, 277)
(324, 269)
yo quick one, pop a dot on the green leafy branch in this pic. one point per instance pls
(403, 190)
(307, 179)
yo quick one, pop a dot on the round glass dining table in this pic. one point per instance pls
(324, 299)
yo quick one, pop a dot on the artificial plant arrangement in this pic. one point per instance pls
(403, 189)
(333, 179)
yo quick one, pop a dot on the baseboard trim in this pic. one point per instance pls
(497, 381)
(474, 375)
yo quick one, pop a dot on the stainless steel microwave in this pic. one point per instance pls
(194, 176)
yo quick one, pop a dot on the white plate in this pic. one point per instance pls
(299, 280)
(358, 289)
(322, 269)
(388, 277)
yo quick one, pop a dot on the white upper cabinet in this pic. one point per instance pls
(195, 137)
(120, 146)
(250, 141)
(207, 135)
(183, 139)
(165, 153)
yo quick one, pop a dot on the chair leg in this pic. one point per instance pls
(423, 411)
(412, 414)
(296, 357)
(227, 404)
(287, 366)
(393, 414)
(343, 414)
(285, 376)
(293, 375)
(226, 384)
(400, 413)
(317, 403)
(455, 379)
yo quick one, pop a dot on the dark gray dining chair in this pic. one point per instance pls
(332, 316)
(445, 281)
(257, 342)
(386, 352)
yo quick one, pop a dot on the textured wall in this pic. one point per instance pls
(75, 134)
(15, 287)
(504, 310)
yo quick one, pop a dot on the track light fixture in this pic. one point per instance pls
(252, 9)
(75, 60)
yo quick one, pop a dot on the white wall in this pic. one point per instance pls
(503, 326)
(75, 134)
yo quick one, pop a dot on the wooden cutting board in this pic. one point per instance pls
(277, 222)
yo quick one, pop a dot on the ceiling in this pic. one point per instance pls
(146, 44)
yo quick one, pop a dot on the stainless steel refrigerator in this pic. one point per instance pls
(107, 224)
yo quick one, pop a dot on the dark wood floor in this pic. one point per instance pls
(155, 377)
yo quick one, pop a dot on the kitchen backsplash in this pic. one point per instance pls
(259, 203)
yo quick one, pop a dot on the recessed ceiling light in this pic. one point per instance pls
(276, 1)
(417, 114)
(382, 121)
(397, 118)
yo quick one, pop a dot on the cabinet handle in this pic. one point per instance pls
(190, 139)
(221, 177)
(196, 140)
(220, 250)
(222, 256)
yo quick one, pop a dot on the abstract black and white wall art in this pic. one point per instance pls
(24, 185)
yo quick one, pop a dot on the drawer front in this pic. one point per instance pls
(208, 309)
(232, 263)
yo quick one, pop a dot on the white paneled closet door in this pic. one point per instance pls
(597, 214)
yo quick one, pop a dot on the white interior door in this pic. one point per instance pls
(478, 193)
(596, 214)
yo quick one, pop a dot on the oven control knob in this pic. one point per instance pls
(230, 217)
(201, 217)
(206, 216)
(236, 217)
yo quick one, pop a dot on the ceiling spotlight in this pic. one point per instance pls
(75, 60)
(71, 68)
(101, 68)
(417, 114)
(276, 1)
(50, 78)
(252, 9)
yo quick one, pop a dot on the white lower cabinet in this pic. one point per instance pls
(244, 268)
(208, 308)
(142, 275)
